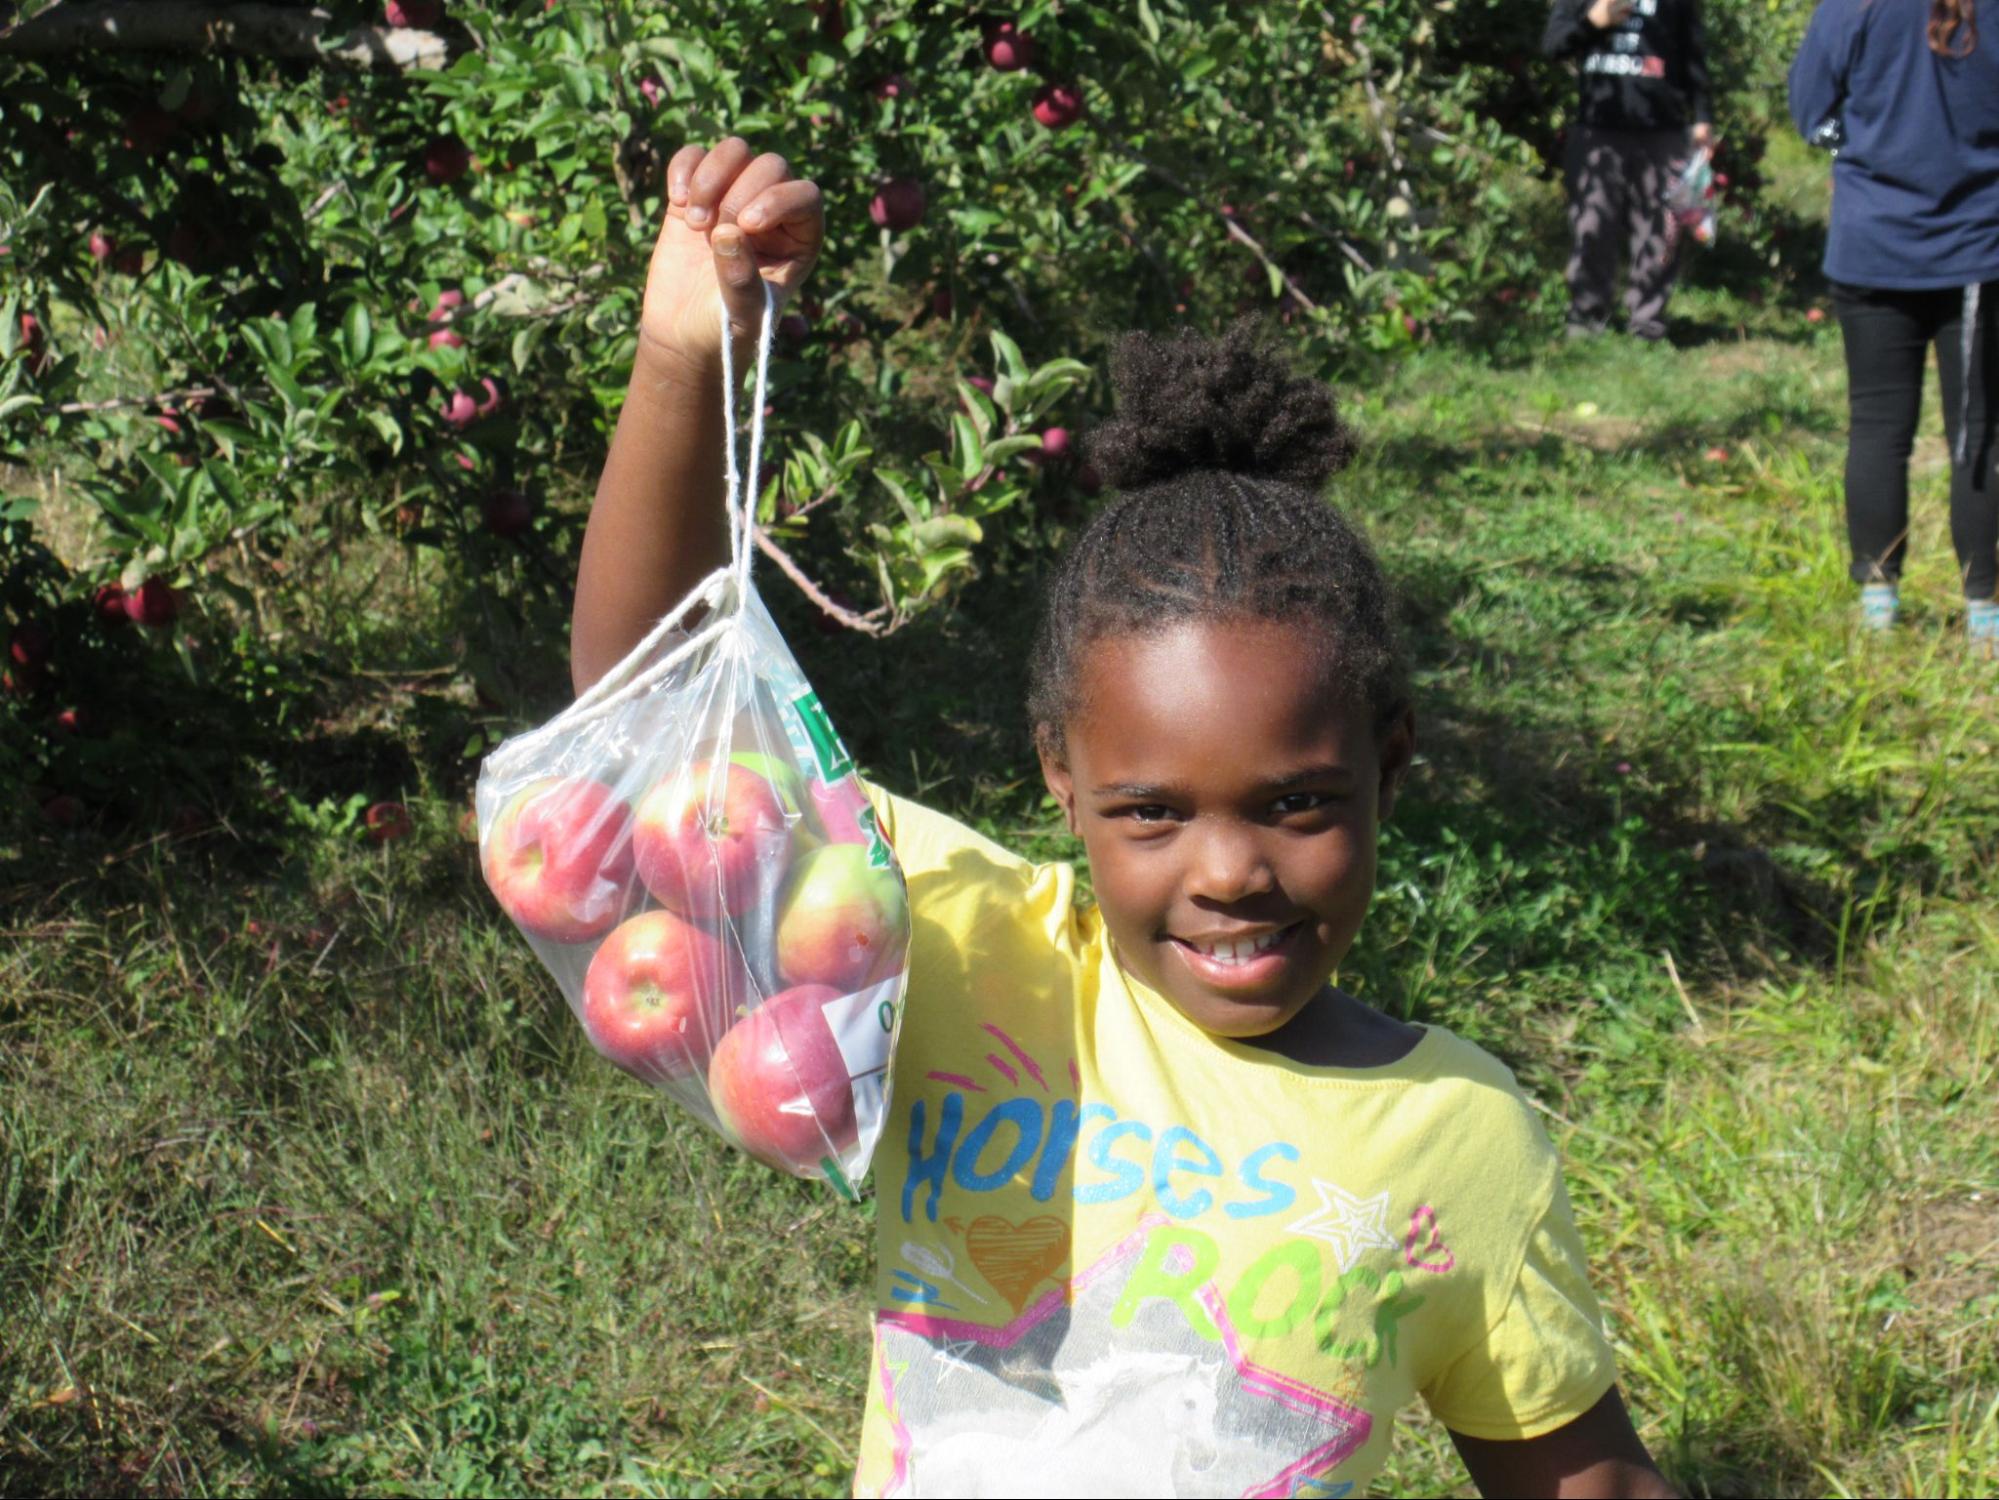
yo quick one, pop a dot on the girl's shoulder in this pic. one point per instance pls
(964, 885)
(1476, 1103)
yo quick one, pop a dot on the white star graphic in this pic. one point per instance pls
(1349, 1224)
(952, 1356)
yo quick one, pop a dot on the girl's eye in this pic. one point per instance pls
(1300, 802)
(1149, 812)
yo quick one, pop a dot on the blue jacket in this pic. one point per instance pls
(1915, 200)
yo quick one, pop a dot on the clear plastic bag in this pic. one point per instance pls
(688, 849)
(1690, 197)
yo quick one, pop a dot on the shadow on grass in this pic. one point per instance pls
(1522, 870)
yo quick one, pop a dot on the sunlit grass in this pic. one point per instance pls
(308, 1184)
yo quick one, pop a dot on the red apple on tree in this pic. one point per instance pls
(559, 858)
(154, 602)
(459, 409)
(714, 837)
(841, 920)
(448, 301)
(446, 159)
(34, 344)
(1008, 48)
(149, 128)
(1055, 443)
(506, 512)
(63, 809)
(779, 1084)
(898, 204)
(109, 602)
(31, 644)
(1057, 105)
(446, 338)
(102, 247)
(386, 822)
(659, 994)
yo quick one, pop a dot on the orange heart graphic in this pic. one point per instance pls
(1016, 1258)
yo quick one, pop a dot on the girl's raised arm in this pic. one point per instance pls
(733, 221)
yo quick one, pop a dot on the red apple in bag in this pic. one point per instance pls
(779, 1084)
(841, 921)
(560, 858)
(714, 837)
(659, 994)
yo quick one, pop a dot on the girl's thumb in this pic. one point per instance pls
(736, 275)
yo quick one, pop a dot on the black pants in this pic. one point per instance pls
(1887, 336)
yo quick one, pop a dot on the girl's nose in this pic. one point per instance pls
(1228, 864)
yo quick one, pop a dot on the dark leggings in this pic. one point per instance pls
(1888, 334)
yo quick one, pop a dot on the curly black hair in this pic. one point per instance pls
(1219, 452)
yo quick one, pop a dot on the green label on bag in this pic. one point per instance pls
(878, 850)
(834, 761)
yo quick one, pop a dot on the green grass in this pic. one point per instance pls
(308, 1184)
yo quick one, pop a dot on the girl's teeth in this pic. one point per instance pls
(1236, 952)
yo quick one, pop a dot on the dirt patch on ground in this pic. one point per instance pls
(1600, 433)
(1951, 1252)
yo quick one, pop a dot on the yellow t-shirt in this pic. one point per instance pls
(1120, 1256)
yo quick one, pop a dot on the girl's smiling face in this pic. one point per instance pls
(1230, 803)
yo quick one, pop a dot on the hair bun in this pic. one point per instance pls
(1233, 403)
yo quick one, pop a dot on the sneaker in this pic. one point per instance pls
(1981, 626)
(1880, 603)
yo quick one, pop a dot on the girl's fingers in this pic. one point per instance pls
(712, 179)
(680, 171)
(736, 277)
(789, 213)
(765, 172)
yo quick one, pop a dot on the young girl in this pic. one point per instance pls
(1161, 1209)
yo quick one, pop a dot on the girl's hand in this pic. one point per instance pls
(733, 221)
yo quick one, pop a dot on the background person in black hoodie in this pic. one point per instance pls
(1644, 83)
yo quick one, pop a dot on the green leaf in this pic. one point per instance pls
(386, 428)
(359, 333)
(1009, 355)
(946, 530)
(965, 441)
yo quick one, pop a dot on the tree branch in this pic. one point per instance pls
(255, 30)
(867, 624)
(1236, 232)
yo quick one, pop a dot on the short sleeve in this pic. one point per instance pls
(1546, 1361)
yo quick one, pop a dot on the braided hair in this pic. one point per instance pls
(1219, 453)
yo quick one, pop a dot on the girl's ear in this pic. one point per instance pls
(1061, 785)
(1396, 753)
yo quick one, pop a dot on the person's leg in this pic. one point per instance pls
(1974, 499)
(1886, 343)
(1648, 173)
(1592, 170)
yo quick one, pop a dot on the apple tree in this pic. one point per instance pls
(288, 289)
